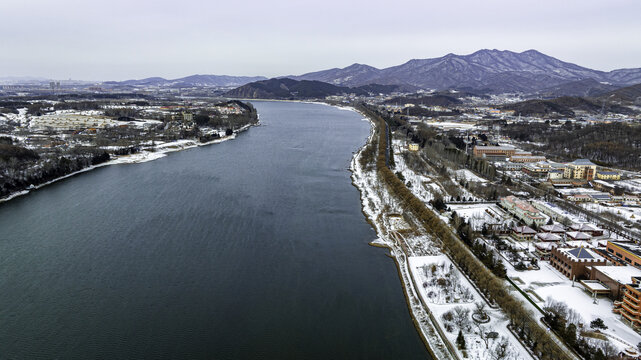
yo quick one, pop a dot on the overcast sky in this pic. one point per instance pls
(125, 39)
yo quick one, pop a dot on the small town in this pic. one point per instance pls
(564, 234)
(361, 179)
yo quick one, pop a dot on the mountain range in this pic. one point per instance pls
(285, 88)
(190, 81)
(485, 70)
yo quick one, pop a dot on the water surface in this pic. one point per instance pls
(255, 248)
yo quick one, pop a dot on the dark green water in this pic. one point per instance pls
(255, 248)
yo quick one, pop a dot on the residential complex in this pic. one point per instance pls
(523, 210)
(580, 169)
(494, 151)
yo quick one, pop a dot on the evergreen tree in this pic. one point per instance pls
(460, 340)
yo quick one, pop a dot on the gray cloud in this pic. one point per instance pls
(132, 39)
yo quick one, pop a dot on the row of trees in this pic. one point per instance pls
(521, 319)
(470, 237)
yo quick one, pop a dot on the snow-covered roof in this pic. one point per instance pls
(553, 228)
(546, 245)
(548, 237)
(583, 162)
(578, 235)
(621, 274)
(594, 285)
(524, 230)
(583, 227)
(493, 147)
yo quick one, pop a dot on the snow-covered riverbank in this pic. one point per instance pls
(411, 244)
(160, 151)
(374, 199)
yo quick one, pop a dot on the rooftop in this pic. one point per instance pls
(524, 230)
(582, 253)
(634, 249)
(548, 237)
(621, 274)
(583, 162)
(493, 147)
(553, 228)
(577, 235)
(583, 227)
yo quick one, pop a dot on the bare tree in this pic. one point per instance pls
(501, 350)
(461, 317)
(482, 331)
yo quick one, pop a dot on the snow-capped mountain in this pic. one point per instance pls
(494, 70)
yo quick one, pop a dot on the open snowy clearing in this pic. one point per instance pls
(467, 175)
(475, 343)
(548, 282)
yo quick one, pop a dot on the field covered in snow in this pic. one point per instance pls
(549, 283)
(454, 301)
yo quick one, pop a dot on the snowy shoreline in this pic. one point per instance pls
(143, 156)
(435, 343)
(379, 206)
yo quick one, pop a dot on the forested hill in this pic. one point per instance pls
(615, 144)
(626, 95)
(429, 100)
(289, 89)
(566, 106)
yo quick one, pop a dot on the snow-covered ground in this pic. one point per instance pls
(548, 282)
(629, 213)
(376, 204)
(467, 175)
(478, 214)
(451, 125)
(441, 303)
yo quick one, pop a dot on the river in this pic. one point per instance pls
(254, 248)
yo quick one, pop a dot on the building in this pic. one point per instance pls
(523, 211)
(412, 147)
(555, 174)
(553, 229)
(187, 116)
(630, 305)
(573, 263)
(542, 249)
(608, 175)
(526, 158)
(578, 236)
(539, 169)
(580, 169)
(547, 210)
(523, 233)
(586, 228)
(601, 185)
(494, 151)
(615, 278)
(579, 198)
(630, 254)
(548, 237)
(600, 197)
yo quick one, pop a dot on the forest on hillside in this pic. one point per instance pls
(615, 144)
